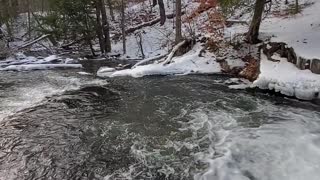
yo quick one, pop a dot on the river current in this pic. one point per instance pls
(61, 125)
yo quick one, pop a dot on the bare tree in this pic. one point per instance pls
(105, 25)
(98, 27)
(29, 18)
(102, 27)
(162, 12)
(253, 33)
(139, 42)
(111, 9)
(297, 7)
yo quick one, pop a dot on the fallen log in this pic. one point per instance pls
(34, 41)
(67, 46)
(149, 59)
(173, 52)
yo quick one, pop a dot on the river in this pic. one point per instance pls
(61, 125)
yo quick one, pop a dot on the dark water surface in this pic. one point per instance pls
(60, 125)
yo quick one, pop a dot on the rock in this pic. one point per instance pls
(303, 63)
(281, 48)
(315, 66)
(291, 55)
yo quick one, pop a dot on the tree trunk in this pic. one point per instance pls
(2, 44)
(111, 9)
(123, 27)
(162, 12)
(1, 33)
(297, 7)
(42, 6)
(253, 34)
(139, 41)
(98, 27)
(105, 26)
(88, 37)
(154, 3)
(29, 19)
(178, 22)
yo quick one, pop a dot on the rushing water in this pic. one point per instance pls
(59, 125)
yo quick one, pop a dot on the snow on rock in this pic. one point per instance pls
(189, 63)
(29, 67)
(51, 58)
(105, 71)
(286, 78)
(238, 83)
(71, 61)
(84, 73)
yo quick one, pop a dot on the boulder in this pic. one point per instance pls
(315, 66)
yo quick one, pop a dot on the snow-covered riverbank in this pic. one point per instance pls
(20, 62)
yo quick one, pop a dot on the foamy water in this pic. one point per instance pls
(157, 128)
(31, 88)
(286, 149)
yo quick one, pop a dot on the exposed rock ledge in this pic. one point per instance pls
(284, 51)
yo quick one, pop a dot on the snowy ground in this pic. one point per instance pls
(301, 31)
(155, 40)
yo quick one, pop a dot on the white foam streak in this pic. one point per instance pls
(281, 151)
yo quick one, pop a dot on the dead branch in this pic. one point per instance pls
(66, 46)
(34, 41)
(173, 52)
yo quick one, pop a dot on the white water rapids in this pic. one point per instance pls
(164, 128)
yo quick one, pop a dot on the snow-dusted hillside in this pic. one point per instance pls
(301, 31)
